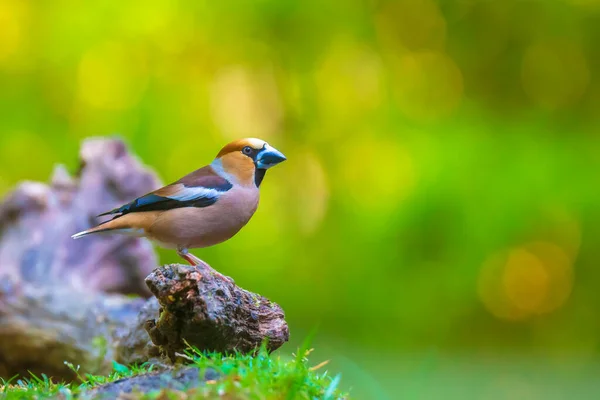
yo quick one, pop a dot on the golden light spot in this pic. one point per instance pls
(112, 76)
(525, 280)
(313, 195)
(529, 280)
(491, 291)
(384, 166)
(555, 74)
(12, 19)
(427, 85)
(246, 103)
(559, 268)
(350, 80)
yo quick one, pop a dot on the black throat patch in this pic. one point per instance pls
(259, 175)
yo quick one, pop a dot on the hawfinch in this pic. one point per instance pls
(205, 207)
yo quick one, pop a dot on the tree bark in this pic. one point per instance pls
(63, 300)
(200, 306)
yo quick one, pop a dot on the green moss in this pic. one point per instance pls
(264, 376)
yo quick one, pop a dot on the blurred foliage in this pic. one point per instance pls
(440, 189)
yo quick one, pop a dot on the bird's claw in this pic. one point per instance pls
(195, 261)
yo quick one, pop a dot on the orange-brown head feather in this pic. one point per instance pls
(238, 146)
(240, 166)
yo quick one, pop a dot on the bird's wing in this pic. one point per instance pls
(201, 188)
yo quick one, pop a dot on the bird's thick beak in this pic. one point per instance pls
(269, 157)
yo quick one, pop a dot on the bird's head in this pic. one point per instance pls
(247, 160)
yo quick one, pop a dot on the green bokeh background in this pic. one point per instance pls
(437, 218)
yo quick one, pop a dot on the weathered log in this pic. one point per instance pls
(41, 327)
(62, 300)
(37, 221)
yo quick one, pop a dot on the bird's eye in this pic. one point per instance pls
(247, 150)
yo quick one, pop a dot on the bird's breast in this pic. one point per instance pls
(193, 227)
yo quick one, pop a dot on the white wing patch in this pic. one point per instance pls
(193, 193)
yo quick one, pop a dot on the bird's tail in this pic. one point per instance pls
(117, 225)
(96, 229)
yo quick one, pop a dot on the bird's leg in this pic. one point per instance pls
(193, 260)
(187, 256)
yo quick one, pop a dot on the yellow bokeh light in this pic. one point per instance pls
(246, 103)
(491, 291)
(559, 267)
(112, 76)
(530, 280)
(525, 280)
(428, 85)
(555, 74)
(12, 15)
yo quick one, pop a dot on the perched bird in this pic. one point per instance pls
(204, 208)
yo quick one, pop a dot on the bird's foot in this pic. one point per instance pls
(190, 258)
(193, 260)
